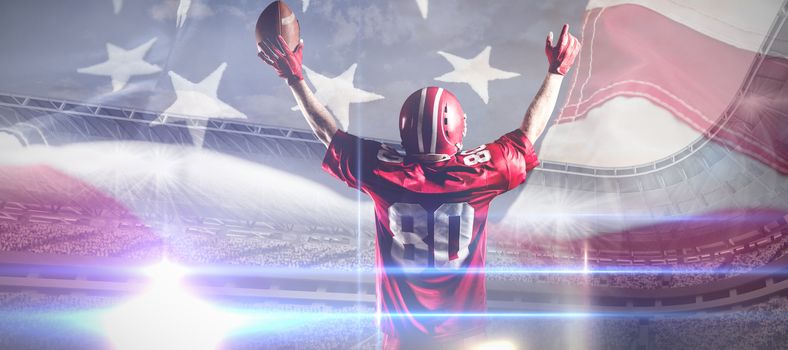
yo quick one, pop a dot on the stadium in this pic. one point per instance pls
(127, 226)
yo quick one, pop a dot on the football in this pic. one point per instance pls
(277, 19)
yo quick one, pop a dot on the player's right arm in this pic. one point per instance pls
(560, 57)
(288, 66)
(319, 118)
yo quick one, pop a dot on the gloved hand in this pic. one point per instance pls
(286, 62)
(562, 55)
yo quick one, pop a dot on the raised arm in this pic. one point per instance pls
(288, 66)
(560, 58)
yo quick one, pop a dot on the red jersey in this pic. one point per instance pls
(431, 226)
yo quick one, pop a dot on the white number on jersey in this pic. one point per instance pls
(399, 214)
(477, 155)
(409, 248)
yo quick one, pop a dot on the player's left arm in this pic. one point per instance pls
(560, 57)
(288, 66)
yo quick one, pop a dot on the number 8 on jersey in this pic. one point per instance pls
(452, 227)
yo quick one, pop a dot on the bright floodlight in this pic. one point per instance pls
(165, 274)
(162, 165)
(496, 345)
(166, 316)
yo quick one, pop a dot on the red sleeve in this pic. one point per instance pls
(520, 156)
(349, 158)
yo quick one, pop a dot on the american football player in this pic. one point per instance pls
(431, 202)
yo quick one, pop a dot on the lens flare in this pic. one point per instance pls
(167, 316)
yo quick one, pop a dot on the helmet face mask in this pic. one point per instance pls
(432, 122)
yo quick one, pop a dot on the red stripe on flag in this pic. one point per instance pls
(633, 51)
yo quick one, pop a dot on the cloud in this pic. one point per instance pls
(378, 21)
(235, 11)
(168, 10)
(76, 89)
(393, 23)
(9, 141)
(271, 109)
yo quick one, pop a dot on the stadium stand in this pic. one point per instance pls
(33, 320)
(306, 251)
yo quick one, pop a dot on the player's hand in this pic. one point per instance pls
(286, 62)
(562, 55)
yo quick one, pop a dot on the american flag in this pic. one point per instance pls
(673, 109)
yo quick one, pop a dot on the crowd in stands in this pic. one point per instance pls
(573, 272)
(746, 261)
(142, 243)
(761, 326)
(566, 332)
(256, 251)
(656, 276)
(75, 239)
(32, 320)
(699, 272)
(24, 316)
(309, 327)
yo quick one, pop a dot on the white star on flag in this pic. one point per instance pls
(475, 72)
(197, 102)
(117, 5)
(123, 64)
(182, 12)
(424, 7)
(304, 5)
(338, 93)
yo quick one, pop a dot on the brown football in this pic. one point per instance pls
(277, 19)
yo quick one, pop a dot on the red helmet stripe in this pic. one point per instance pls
(436, 104)
(421, 119)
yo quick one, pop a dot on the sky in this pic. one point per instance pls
(49, 46)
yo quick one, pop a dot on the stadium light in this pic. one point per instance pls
(585, 258)
(496, 345)
(162, 165)
(165, 274)
(122, 156)
(166, 316)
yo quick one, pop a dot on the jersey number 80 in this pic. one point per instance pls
(452, 225)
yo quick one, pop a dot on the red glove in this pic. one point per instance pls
(286, 62)
(562, 55)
